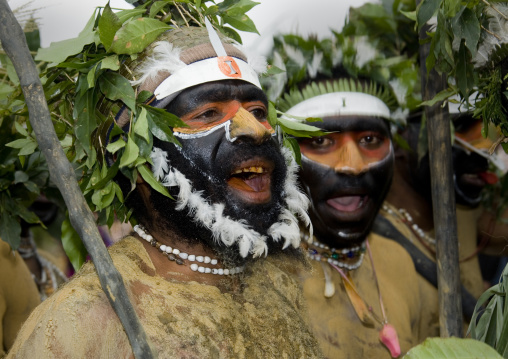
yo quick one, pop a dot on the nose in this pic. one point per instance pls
(245, 125)
(349, 159)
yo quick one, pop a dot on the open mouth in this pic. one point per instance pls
(478, 179)
(347, 203)
(252, 181)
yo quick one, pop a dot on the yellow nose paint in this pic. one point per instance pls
(244, 124)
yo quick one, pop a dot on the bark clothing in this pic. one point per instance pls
(336, 325)
(470, 273)
(264, 319)
(18, 295)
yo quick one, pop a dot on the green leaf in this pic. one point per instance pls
(84, 110)
(5, 90)
(110, 63)
(137, 34)
(21, 130)
(22, 142)
(109, 24)
(141, 125)
(125, 15)
(159, 122)
(452, 348)
(150, 179)
(299, 129)
(241, 22)
(441, 96)
(73, 246)
(130, 154)
(59, 51)
(20, 177)
(293, 145)
(10, 230)
(426, 10)
(28, 149)
(156, 7)
(466, 26)
(113, 147)
(90, 77)
(116, 87)
(272, 114)
(411, 15)
(237, 7)
(464, 72)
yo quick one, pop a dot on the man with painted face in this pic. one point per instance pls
(362, 294)
(408, 208)
(195, 268)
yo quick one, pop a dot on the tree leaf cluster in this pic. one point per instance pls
(85, 88)
(489, 323)
(468, 45)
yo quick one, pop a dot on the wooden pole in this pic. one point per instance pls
(14, 43)
(443, 200)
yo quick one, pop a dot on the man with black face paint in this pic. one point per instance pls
(196, 269)
(408, 208)
(362, 294)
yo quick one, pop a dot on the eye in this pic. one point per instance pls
(321, 142)
(259, 113)
(371, 140)
(207, 115)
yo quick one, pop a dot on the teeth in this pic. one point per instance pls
(250, 170)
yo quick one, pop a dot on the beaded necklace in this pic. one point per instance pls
(408, 220)
(180, 258)
(337, 257)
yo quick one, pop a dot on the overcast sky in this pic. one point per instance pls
(64, 19)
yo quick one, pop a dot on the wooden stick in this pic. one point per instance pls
(443, 200)
(14, 43)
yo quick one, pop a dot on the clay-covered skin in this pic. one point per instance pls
(346, 174)
(18, 295)
(261, 316)
(339, 331)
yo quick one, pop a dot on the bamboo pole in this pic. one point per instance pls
(443, 200)
(14, 43)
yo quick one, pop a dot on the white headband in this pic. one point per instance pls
(341, 104)
(203, 71)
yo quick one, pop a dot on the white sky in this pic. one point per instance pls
(64, 19)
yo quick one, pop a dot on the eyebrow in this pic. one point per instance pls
(354, 123)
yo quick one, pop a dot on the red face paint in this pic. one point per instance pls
(212, 114)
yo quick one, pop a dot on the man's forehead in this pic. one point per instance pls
(218, 91)
(353, 123)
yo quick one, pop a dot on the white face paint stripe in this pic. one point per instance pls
(341, 104)
(200, 72)
(187, 136)
(346, 169)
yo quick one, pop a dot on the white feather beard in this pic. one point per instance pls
(230, 231)
(165, 58)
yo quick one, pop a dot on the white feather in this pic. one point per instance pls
(256, 61)
(165, 58)
(160, 163)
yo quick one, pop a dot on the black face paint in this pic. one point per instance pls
(323, 184)
(466, 169)
(209, 162)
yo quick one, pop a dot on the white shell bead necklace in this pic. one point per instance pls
(179, 257)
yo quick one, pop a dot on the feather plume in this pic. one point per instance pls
(165, 58)
(256, 61)
(160, 163)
